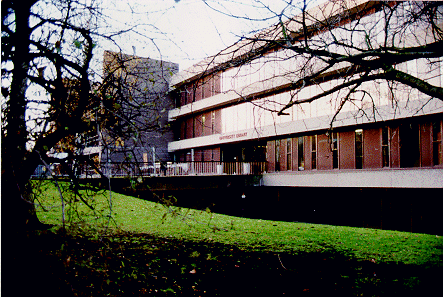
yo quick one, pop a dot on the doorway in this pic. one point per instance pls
(409, 145)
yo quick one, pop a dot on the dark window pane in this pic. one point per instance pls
(358, 162)
(385, 136)
(334, 159)
(313, 151)
(359, 149)
(385, 156)
(409, 145)
(301, 158)
(334, 150)
(385, 146)
(288, 154)
(277, 155)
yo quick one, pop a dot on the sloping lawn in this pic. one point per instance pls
(139, 216)
(150, 248)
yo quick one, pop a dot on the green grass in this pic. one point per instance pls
(139, 216)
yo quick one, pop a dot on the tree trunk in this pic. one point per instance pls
(18, 211)
(16, 169)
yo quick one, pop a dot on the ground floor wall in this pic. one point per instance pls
(406, 143)
(401, 143)
(411, 210)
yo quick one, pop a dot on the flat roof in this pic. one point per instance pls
(256, 45)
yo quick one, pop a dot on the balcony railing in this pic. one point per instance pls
(184, 168)
(158, 169)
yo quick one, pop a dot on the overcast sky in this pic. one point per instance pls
(187, 31)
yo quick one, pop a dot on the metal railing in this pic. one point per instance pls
(162, 169)
(184, 168)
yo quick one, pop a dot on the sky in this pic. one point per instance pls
(180, 31)
(187, 31)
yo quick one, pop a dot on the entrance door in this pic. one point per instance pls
(409, 145)
(252, 152)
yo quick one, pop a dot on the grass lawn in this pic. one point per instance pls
(153, 249)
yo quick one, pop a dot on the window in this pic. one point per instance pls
(277, 155)
(189, 93)
(301, 157)
(212, 84)
(436, 143)
(314, 152)
(359, 148)
(334, 147)
(385, 145)
(203, 125)
(289, 154)
(213, 122)
(185, 129)
(202, 87)
(180, 98)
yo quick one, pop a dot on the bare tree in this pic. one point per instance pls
(37, 51)
(351, 55)
(52, 97)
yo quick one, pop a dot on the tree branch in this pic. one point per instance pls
(412, 81)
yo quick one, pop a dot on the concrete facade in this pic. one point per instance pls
(222, 105)
(144, 104)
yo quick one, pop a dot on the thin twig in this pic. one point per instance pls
(110, 204)
(278, 255)
(58, 188)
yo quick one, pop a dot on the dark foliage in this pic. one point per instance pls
(136, 264)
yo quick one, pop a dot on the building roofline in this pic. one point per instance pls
(129, 56)
(249, 48)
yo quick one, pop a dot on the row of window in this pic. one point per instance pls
(261, 112)
(396, 145)
(198, 90)
(405, 145)
(302, 143)
(207, 123)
